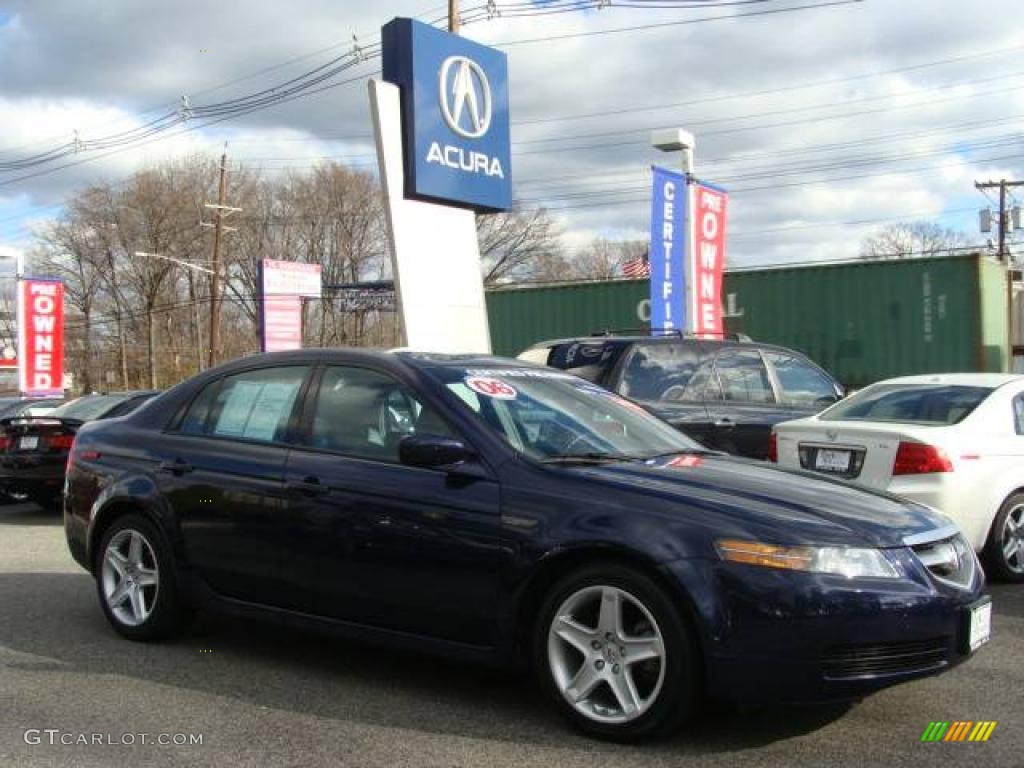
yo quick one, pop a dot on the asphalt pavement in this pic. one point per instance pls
(262, 695)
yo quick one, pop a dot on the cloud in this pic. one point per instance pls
(813, 119)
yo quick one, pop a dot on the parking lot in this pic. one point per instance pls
(263, 695)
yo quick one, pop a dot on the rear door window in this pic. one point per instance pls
(254, 405)
(803, 385)
(660, 371)
(742, 377)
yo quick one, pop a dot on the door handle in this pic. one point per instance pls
(725, 423)
(176, 467)
(310, 486)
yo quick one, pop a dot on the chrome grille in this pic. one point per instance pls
(950, 560)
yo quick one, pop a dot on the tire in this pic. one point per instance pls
(136, 581)
(1007, 535)
(662, 689)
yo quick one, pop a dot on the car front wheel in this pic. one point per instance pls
(615, 655)
(136, 581)
(1005, 548)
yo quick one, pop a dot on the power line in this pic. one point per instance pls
(676, 23)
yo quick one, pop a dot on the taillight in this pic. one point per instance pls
(5, 442)
(773, 447)
(61, 442)
(920, 459)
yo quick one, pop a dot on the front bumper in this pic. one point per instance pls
(772, 635)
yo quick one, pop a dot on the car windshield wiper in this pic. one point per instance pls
(594, 457)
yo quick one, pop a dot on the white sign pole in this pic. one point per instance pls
(435, 256)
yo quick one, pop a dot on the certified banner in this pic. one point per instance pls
(41, 337)
(708, 259)
(667, 258)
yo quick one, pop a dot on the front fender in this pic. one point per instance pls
(137, 493)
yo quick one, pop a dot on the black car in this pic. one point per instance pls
(498, 511)
(34, 449)
(726, 394)
(28, 406)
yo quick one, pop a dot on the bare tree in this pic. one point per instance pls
(513, 242)
(69, 249)
(912, 238)
(603, 259)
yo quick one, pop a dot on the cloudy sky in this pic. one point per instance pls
(826, 122)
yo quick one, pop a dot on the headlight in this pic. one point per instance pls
(851, 562)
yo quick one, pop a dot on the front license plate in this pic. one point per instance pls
(832, 461)
(28, 443)
(979, 624)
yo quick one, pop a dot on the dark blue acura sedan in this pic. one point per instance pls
(491, 510)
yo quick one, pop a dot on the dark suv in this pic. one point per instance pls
(725, 394)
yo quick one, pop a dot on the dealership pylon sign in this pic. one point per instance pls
(455, 125)
(40, 337)
(441, 124)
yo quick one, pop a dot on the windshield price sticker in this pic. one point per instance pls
(488, 387)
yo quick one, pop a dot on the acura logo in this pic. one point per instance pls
(831, 434)
(465, 97)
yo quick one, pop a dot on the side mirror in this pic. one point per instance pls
(433, 452)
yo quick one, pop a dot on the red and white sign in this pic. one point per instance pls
(282, 323)
(41, 337)
(291, 278)
(707, 260)
(496, 388)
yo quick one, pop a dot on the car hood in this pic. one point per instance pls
(747, 497)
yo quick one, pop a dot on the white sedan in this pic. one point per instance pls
(952, 441)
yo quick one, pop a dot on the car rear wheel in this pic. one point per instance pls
(136, 581)
(1004, 551)
(615, 655)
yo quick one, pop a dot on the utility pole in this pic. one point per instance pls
(220, 211)
(453, 16)
(1004, 255)
(1003, 223)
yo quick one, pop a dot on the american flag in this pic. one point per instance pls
(638, 267)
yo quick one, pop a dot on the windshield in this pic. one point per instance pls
(926, 404)
(552, 415)
(88, 407)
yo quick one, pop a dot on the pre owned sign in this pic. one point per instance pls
(41, 336)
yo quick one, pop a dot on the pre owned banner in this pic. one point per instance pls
(668, 230)
(41, 337)
(708, 259)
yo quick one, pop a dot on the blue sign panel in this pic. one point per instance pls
(455, 123)
(668, 251)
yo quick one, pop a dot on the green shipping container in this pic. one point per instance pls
(864, 321)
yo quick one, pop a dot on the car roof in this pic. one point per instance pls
(992, 380)
(668, 339)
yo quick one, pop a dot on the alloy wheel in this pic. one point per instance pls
(131, 578)
(1012, 540)
(606, 654)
